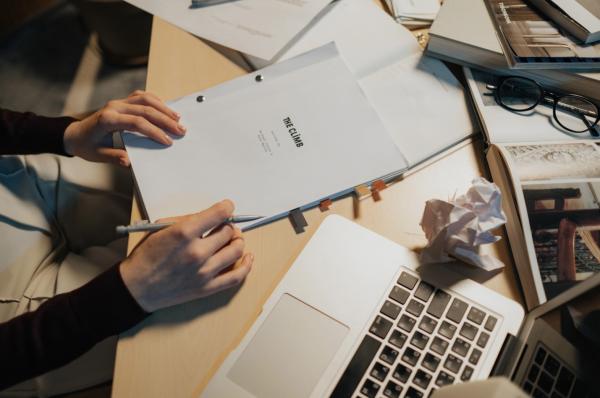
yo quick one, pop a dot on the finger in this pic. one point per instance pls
(217, 238)
(229, 279)
(151, 114)
(196, 225)
(113, 155)
(152, 100)
(223, 258)
(113, 121)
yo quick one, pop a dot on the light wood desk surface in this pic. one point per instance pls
(175, 352)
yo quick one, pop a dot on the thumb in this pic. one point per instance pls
(114, 155)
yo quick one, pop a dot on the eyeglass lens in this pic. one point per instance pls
(519, 94)
(575, 113)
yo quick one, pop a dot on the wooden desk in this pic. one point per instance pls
(175, 352)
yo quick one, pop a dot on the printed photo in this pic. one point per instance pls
(555, 161)
(565, 229)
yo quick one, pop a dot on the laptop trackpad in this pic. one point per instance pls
(289, 352)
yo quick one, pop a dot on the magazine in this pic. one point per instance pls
(531, 41)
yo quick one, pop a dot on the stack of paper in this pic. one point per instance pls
(414, 13)
(258, 27)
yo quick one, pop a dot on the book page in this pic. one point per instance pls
(584, 12)
(557, 188)
(304, 133)
(257, 27)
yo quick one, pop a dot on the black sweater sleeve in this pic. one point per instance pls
(66, 326)
(27, 133)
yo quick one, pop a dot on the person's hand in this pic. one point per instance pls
(178, 264)
(145, 113)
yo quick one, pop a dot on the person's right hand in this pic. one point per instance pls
(177, 264)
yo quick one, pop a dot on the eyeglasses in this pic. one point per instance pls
(572, 112)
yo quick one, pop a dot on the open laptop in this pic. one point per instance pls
(355, 316)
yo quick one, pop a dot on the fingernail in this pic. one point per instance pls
(168, 140)
(182, 128)
(177, 115)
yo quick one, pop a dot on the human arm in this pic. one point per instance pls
(90, 138)
(172, 266)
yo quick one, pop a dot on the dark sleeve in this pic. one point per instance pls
(27, 133)
(65, 327)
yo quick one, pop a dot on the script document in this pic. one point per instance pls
(281, 138)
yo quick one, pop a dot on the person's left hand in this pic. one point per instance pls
(145, 113)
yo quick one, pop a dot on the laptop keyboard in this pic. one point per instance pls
(422, 338)
(548, 376)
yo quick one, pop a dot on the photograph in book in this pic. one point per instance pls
(559, 203)
(556, 161)
(529, 38)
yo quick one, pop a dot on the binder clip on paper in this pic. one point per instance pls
(298, 221)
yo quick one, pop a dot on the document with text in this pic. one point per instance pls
(258, 27)
(278, 139)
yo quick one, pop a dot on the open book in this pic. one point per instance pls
(550, 181)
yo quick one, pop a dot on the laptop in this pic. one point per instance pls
(357, 316)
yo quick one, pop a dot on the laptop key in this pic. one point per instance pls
(388, 355)
(414, 307)
(564, 381)
(406, 323)
(419, 340)
(457, 310)
(422, 379)
(400, 295)
(468, 331)
(379, 371)
(407, 280)
(552, 365)
(438, 345)
(453, 363)
(369, 388)
(475, 355)
(444, 379)
(357, 367)
(476, 315)
(447, 329)
(438, 303)
(413, 393)
(533, 373)
(537, 393)
(467, 373)
(540, 355)
(411, 356)
(460, 347)
(490, 323)
(424, 291)
(390, 309)
(402, 373)
(431, 362)
(545, 382)
(427, 324)
(398, 338)
(483, 339)
(392, 390)
(380, 327)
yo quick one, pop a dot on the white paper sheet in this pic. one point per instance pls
(421, 103)
(257, 27)
(239, 147)
(457, 227)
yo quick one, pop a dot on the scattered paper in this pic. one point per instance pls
(455, 229)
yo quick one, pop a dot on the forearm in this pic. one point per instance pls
(27, 133)
(65, 327)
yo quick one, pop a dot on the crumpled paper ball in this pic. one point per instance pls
(455, 229)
